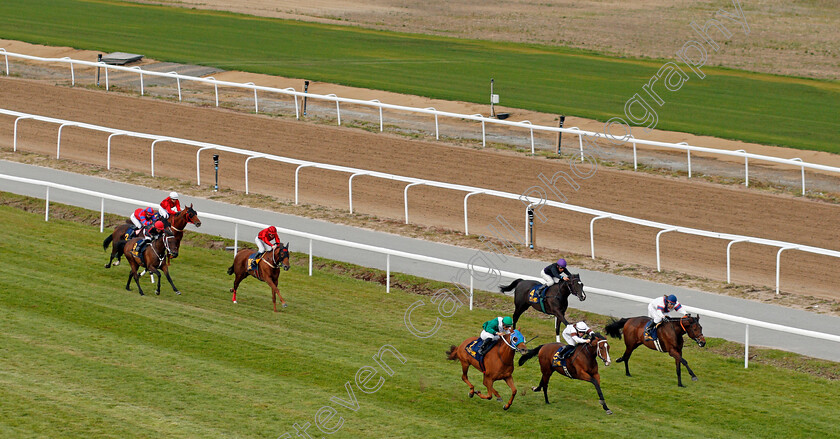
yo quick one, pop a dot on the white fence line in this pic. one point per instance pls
(468, 190)
(797, 162)
(471, 268)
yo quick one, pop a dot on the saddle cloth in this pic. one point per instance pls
(473, 348)
(560, 357)
(535, 296)
(253, 262)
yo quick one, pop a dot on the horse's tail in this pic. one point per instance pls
(615, 327)
(530, 354)
(107, 242)
(511, 286)
(230, 270)
(452, 353)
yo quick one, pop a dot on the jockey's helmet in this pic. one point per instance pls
(173, 195)
(671, 298)
(507, 321)
(561, 262)
(581, 327)
(159, 225)
(149, 211)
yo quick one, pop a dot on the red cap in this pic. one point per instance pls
(159, 225)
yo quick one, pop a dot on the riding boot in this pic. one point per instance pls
(485, 347)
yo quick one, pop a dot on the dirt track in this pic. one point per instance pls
(674, 201)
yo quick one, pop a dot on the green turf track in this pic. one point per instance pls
(761, 108)
(82, 357)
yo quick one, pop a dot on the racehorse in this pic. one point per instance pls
(267, 270)
(581, 364)
(498, 364)
(670, 336)
(556, 298)
(155, 258)
(175, 224)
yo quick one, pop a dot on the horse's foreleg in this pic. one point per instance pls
(128, 284)
(155, 272)
(595, 380)
(691, 372)
(509, 381)
(134, 275)
(165, 269)
(678, 361)
(275, 292)
(488, 382)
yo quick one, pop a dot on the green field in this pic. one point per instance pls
(768, 109)
(82, 357)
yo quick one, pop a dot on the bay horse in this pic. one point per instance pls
(155, 258)
(670, 335)
(175, 224)
(581, 364)
(268, 270)
(556, 298)
(498, 364)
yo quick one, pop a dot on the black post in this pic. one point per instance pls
(531, 239)
(305, 91)
(98, 59)
(216, 163)
(560, 134)
(492, 110)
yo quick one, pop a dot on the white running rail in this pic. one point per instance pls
(468, 190)
(397, 253)
(746, 156)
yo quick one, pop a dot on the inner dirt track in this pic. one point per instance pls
(669, 200)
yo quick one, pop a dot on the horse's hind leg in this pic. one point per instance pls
(491, 392)
(236, 281)
(678, 359)
(465, 367)
(518, 312)
(626, 358)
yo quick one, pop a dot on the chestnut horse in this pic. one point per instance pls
(498, 364)
(268, 270)
(670, 336)
(176, 225)
(581, 364)
(556, 298)
(155, 258)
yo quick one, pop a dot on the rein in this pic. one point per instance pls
(686, 330)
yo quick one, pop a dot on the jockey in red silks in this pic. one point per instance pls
(170, 205)
(141, 218)
(263, 240)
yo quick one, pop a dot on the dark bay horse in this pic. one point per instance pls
(498, 364)
(581, 364)
(670, 335)
(556, 298)
(267, 271)
(175, 224)
(155, 258)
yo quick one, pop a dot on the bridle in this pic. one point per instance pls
(682, 325)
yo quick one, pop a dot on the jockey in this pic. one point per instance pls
(575, 334)
(170, 205)
(491, 330)
(141, 218)
(554, 272)
(660, 306)
(153, 231)
(263, 241)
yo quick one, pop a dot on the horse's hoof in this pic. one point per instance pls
(499, 399)
(178, 293)
(116, 262)
(286, 304)
(609, 412)
(107, 265)
(507, 406)
(535, 389)
(693, 378)
(472, 394)
(157, 293)
(680, 385)
(141, 293)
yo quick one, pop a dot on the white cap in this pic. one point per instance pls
(581, 326)
(173, 195)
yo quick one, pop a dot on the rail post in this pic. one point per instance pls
(310, 256)
(405, 197)
(5, 55)
(297, 173)
(153, 154)
(388, 273)
(197, 168)
(437, 132)
(101, 215)
(728, 257)
(58, 141)
(746, 167)
(47, 205)
(178, 80)
(688, 155)
(747, 346)
(658, 266)
(109, 149)
(72, 70)
(803, 174)
(14, 136)
(256, 104)
(532, 135)
(350, 187)
(466, 222)
(592, 233)
(235, 238)
(216, 88)
(246, 171)
(778, 266)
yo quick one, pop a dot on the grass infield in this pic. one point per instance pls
(82, 357)
(761, 108)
